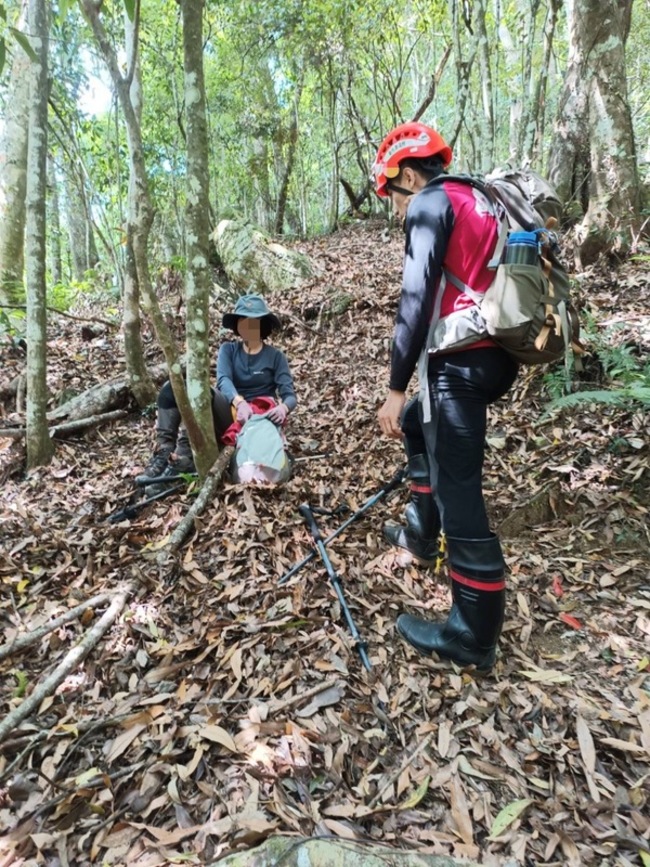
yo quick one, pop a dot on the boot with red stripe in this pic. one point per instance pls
(420, 536)
(470, 634)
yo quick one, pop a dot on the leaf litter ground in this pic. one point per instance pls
(222, 708)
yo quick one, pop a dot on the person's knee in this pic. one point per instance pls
(166, 399)
(410, 422)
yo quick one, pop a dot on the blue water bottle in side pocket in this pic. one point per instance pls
(522, 248)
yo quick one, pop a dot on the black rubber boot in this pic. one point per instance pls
(168, 421)
(470, 634)
(184, 459)
(420, 535)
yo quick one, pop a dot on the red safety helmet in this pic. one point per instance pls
(412, 139)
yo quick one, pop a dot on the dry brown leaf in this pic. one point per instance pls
(326, 698)
(123, 741)
(460, 811)
(218, 735)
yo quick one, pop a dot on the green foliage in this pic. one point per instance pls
(12, 326)
(24, 43)
(22, 682)
(64, 295)
(628, 372)
(614, 397)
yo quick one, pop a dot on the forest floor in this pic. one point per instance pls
(222, 708)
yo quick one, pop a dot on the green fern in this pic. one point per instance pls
(619, 396)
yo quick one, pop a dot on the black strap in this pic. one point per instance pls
(395, 189)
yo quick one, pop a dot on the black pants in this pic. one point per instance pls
(221, 410)
(461, 385)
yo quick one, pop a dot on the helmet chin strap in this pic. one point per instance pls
(395, 189)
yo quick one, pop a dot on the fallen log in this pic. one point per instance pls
(58, 430)
(208, 490)
(104, 397)
(67, 665)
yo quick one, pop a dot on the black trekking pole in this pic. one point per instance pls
(396, 480)
(129, 512)
(361, 646)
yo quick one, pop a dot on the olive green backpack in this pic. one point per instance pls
(527, 309)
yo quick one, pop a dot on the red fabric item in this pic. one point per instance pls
(477, 584)
(260, 405)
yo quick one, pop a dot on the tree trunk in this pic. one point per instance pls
(463, 72)
(54, 223)
(534, 136)
(39, 444)
(140, 217)
(594, 138)
(198, 280)
(529, 109)
(104, 397)
(485, 59)
(83, 249)
(140, 382)
(288, 168)
(13, 176)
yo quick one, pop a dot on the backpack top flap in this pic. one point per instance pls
(529, 199)
(260, 455)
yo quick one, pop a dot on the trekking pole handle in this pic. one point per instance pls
(310, 520)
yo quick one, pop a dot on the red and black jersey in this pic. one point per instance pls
(450, 227)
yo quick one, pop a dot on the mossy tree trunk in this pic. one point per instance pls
(13, 175)
(39, 444)
(141, 384)
(198, 279)
(593, 157)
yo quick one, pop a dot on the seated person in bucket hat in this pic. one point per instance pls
(252, 377)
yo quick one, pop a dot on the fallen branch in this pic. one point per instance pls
(207, 492)
(407, 761)
(72, 659)
(67, 427)
(278, 707)
(63, 313)
(32, 637)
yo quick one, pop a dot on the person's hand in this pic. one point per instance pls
(390, 413)
(278, 414)
(244, 411)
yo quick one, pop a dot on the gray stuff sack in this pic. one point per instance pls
(260, 455)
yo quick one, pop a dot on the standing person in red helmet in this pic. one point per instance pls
(451, 232)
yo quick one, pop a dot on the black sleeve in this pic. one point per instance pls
(429, 222)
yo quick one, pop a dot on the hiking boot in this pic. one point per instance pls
(156, 466)
(420, 536)
(168, 420)
(470, 634)
(175, 470)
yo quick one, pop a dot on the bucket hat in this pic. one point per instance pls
(252, 307)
